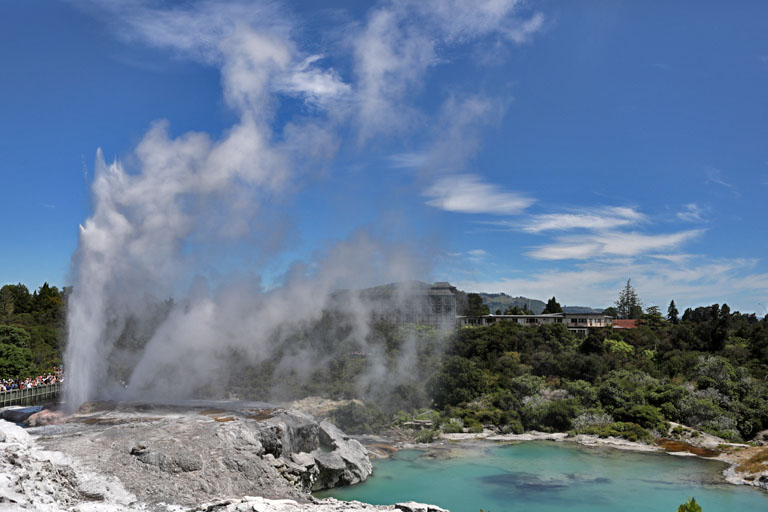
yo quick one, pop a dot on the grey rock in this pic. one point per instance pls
(188, 456)
(340, 459)
(16, 414)
(412, 506)
(249, 504)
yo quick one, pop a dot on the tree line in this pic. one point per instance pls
(32, 329)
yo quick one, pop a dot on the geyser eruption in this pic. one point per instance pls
(139, 245)
(158, 223)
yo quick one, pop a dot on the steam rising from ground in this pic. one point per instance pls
(142, 244)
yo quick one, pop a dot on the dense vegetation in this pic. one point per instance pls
(32, 330)
(707, 370)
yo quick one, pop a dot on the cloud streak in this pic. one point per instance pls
(467, 193)
(590, 219)
(610, 244)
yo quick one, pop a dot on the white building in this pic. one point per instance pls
(576, 322)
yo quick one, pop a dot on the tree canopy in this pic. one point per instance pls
(475, 306)
(553, 306)
(32, 329)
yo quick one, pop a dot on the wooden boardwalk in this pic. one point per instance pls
(30, 396)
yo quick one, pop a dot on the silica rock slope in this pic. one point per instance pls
(34, 479)
(150, 457)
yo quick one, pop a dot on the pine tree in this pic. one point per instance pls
(628, 305)
(552, 306)
(672, 313)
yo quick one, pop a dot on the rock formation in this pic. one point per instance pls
(186, 455)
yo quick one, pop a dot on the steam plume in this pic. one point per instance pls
(142, 242)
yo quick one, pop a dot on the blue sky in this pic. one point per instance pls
(536, 148)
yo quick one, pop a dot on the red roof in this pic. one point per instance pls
(624, 323)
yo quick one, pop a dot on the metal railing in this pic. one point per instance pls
(30, 396)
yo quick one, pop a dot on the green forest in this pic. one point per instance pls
(706, 370)
(32, 330)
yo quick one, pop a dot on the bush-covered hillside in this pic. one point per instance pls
(708, 370)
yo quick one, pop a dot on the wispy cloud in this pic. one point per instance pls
(610, 244)
(410, 160)
(673, 258)
(250, 41)
(692, 213)
(591, 219)
(401, 40)
(466, 193)
(716, 176)
(476, 256)
(454, 136)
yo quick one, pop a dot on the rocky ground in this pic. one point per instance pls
(116, 457)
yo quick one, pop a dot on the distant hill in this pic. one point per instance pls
(581, 309)
(502, 301)
(495, 301)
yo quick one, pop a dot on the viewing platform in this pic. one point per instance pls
(30, 396)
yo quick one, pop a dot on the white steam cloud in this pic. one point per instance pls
(141, 243)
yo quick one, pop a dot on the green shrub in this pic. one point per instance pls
(647, 416)
(474, 426)
(425, 436)
(559, 415)
(489, 416)
(453, 426)
(513, 427)
(689, 506)
(670, 412)
(358, 418)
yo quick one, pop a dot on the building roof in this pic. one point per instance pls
(624, 323)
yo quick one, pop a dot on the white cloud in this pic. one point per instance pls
(250, 41)
(692, 213)
(691, 282)
(400, 41)
(592, 219)
(610, 244)
(477, 252)
(466, 193)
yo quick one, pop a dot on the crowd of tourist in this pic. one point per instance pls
(32, 382)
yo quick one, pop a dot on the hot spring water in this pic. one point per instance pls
(549, 477)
